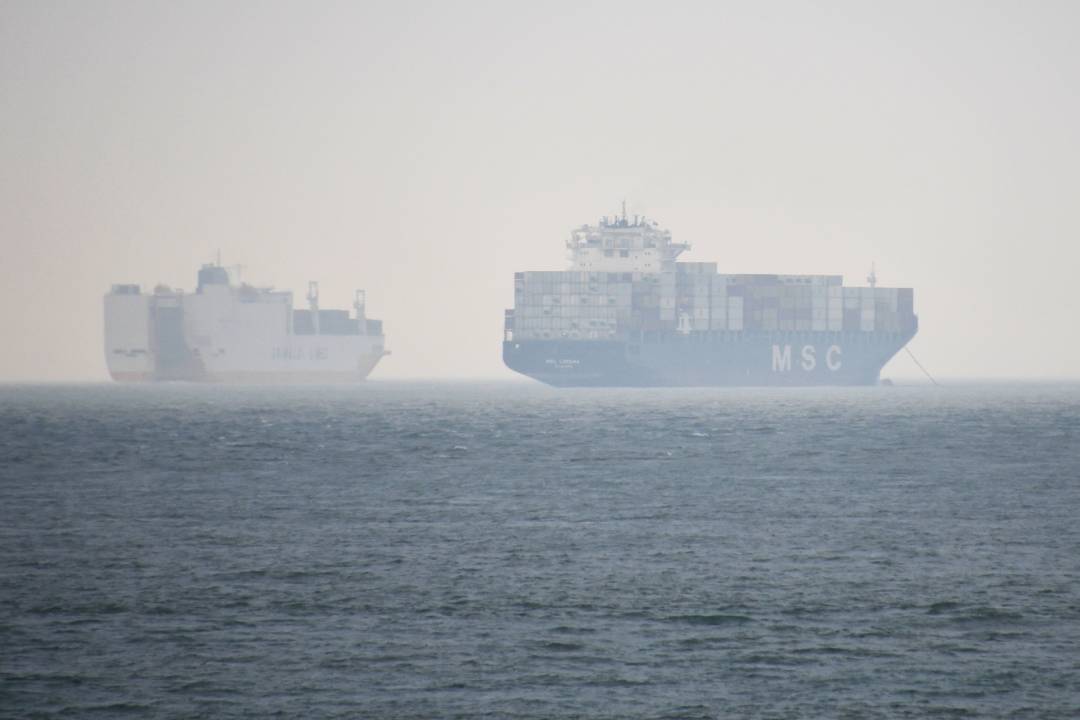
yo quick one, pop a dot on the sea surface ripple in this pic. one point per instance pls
(412, 550)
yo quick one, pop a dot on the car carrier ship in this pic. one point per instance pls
(229, 332)
(627, 313)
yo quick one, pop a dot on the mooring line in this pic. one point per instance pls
(927, 372)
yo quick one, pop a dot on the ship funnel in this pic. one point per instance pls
(313, 303)
(358, 304)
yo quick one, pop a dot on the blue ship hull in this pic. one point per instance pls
(710, 359)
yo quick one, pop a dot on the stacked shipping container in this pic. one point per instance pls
(696, 299)
(575, 305)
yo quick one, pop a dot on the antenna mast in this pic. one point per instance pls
(872, 277)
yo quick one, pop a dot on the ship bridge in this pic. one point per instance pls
(623, 244)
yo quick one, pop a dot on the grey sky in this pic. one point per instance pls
(426, 151)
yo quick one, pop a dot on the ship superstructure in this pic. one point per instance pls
(236, 333)
(629, 313)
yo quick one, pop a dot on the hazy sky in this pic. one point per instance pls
(427, 151)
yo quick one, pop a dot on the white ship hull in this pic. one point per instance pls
(224, 333)
(356, 365)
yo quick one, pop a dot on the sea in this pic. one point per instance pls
(507, 550)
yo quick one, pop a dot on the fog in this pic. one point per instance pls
(427, 151)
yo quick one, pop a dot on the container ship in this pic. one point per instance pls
(628, 313)
(228, 332)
